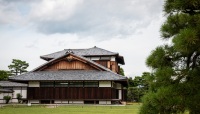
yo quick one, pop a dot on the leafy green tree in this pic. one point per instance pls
(174, 86)
(132, 94)
(130, 82)
(138, 87)
(18, 66)
(121, 72)
(4, 75)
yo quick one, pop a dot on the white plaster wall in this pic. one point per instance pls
(76, 102)
(16, 91)
(118, 86)
(1, 98)
(95, 58)
(24, 92)
(57, 101)
(14, 101)
(34, 101)
(65, 102)
(1, 95)
(1, 101)
(120, 94)
(113, 58)
(105, 84)
(8, 94)
(104, 102)
(34, 84)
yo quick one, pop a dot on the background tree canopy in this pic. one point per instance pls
(138, 87)
(174, 86)
(18, 66)
(121, 72)
(4, 75)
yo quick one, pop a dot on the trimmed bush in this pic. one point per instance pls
(19, 97)
(7, 98)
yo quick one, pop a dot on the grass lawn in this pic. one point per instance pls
(72, 109)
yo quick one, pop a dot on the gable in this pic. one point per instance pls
(70, 62)
(66, 65)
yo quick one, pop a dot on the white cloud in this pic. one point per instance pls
(32, 28)
(102, 18)
(7, 14)
(85, 17)
(53, 10)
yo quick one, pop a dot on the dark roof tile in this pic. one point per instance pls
(12, 84)
(95, 51)
(69, 75)
(6, 90)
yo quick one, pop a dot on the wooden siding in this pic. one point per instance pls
(44, 93)
(112, 65)
(103, 63)
(66, 65)
(74, 63)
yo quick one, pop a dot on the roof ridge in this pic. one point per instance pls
(93, 51)
(103, 49)
(74, 49)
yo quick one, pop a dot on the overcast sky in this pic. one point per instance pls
(30, 28)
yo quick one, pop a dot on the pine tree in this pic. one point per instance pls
(18, 66)
(174, 87)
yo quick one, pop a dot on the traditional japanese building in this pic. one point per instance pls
(12, 89)
(86, 76)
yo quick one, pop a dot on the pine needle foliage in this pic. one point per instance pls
(174, 85)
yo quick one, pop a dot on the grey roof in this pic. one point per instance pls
(68, 53)
(95, 51)
(6, 90)
(69, 75)
(12, 84)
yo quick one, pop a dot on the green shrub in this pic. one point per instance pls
(19, 97)
(7, 98)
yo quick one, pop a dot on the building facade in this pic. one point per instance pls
(79, 76)
(12, 89)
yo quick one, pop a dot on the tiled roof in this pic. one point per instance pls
(12, 84)
(6, 90)
(68, 75)
(68, 53)
(95, 51)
